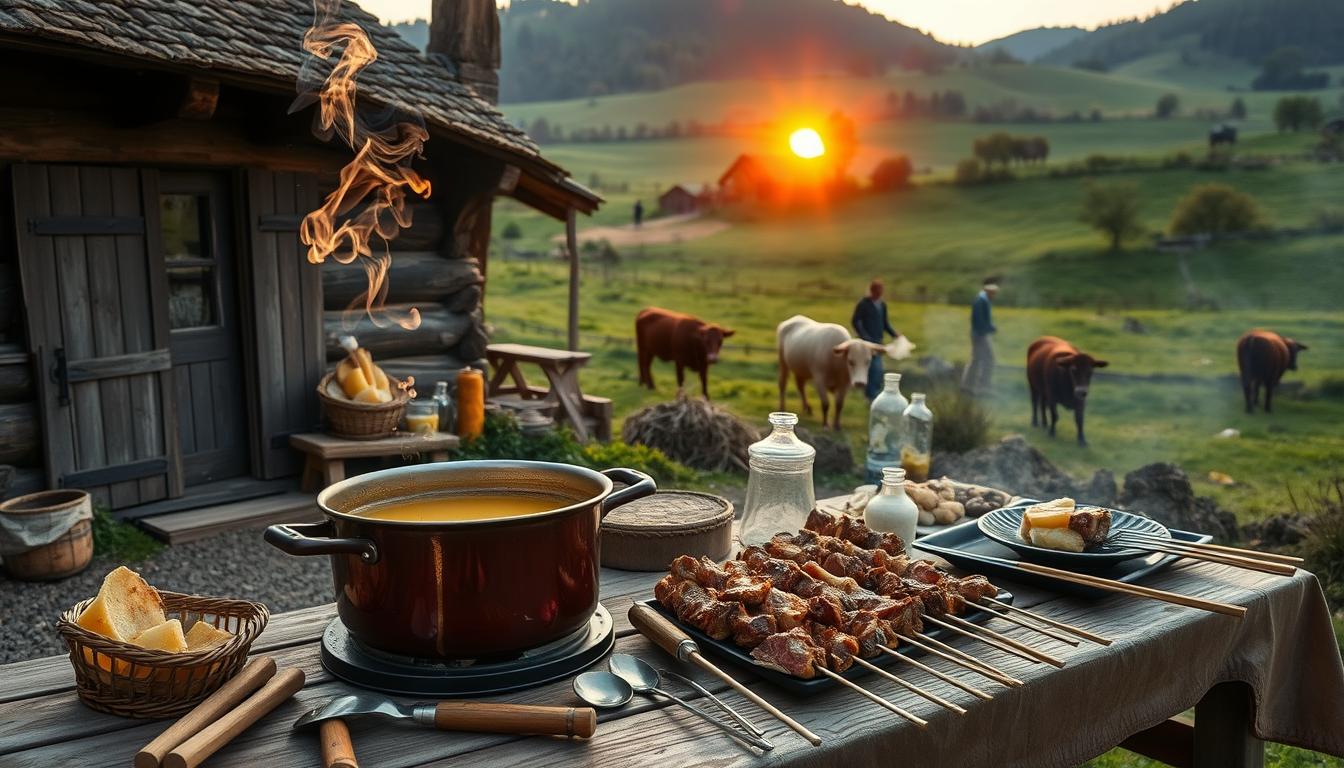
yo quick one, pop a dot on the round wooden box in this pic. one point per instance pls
(645, 535)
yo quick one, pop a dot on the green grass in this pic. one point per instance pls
(120, 541)
(1276, 756)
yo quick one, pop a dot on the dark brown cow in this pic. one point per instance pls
(1263, 357)
(1059, 374)
(687, 341)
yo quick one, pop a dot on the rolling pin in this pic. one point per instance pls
(249, 679)
(337, 749)
(196, 749)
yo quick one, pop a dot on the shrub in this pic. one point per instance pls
(1113, 210)
(1323, 547)
(1215, 209)
(960, 422)
(1295, 113)
(969, 172)
(511, 231)
(120, 541)
(1167, 106)
(641, 457)
(891, 173)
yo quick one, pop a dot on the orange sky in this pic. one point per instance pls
(953, 21)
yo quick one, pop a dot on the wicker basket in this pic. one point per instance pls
(123, 679)
(362, 421)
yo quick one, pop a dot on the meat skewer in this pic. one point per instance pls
(1079, 631)
(945, 651)
(1060, 636)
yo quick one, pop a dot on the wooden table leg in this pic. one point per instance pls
(1223, 734)
(438, 456)
(333, 471)
(312, 472)
(565, 389)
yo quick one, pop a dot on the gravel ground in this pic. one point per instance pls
(233, 564)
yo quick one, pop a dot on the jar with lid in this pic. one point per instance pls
(422, 416)
(779, 485)
(886, 428)
(917, 449)
(891, 510)
(443, 402)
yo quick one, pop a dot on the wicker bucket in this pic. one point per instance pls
(123, 679)
(64, 556)
(362, 421)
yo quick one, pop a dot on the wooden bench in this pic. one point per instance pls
(326, 455)
(588, 416)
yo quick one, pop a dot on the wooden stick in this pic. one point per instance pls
(867, 694)
(1039, 630)
(941, 676)
(1250, 564)
(797, 727)
(915, 689)
(1121, 587)
(1079, 631)
(996, 640)
(196, 749)
(337, 749)
(945, 651)
(1251, 553)
(249, 679)
(1018, 644)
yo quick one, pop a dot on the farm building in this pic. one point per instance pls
(684, 198)
(161, 332)
(747, 180)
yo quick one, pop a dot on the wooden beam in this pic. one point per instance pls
(1223, 729)
(130, 364)
(1171, 742)
(413, 277)
(19, 438)
(508, 181)
(572, 244)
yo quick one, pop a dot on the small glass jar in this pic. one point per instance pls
(779, 485)
(917, 450)
(886, 428)
(422, 417)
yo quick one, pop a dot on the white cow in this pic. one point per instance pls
(824, 354)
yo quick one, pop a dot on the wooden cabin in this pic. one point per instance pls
(161, 331)
(748, 180)
(682, 199)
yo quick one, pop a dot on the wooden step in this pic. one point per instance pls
(181, 527)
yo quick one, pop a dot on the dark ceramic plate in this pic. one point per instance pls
(740, 657)
(966, 547)
(1002, 525)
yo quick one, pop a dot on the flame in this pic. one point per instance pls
(371, 197)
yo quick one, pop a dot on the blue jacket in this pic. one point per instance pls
(982, 323)
(870, 320)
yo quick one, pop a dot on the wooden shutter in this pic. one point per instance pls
(286, 298)
(96, 301)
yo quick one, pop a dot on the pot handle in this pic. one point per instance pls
(303, 539)
(638, 485)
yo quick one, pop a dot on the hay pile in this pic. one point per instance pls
(694, 432)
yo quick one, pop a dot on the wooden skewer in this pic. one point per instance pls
(1040, 655)
(873, 697)
(915, 689)
(1034, 628)
(672, 639)
(1278, 569)
(945, 651)
(1079, 631)
(995, 640)
(941, 676)
(1251, 553)
(1122, 588)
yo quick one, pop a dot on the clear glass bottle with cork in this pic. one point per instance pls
(886, 428)
(917, 448)
(779, 485)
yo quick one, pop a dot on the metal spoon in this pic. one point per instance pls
(644, 679)
(603, 689)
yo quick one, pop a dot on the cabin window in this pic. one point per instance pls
(193, 295)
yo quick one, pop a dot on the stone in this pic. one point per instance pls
(1276, 532)
(1100, 489)
(834, 454)
(1012, 465)
(1163, 492)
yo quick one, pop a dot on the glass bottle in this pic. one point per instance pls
(779, 485)
(891, 510)
(917, 449)
(886, 428)
(422, 416)
(445, 406)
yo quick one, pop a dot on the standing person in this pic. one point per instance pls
(980, 370)
(870, 322)
(639, 212)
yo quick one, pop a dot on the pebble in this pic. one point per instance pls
(233, 564)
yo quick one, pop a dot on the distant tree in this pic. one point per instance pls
(1212, 209)
(1091, 65)
(1040, 149)
(608, 257)
(954, 104)
(541, 131)
(1094, 115)
(1282, 71)
(622, 133)
(892, 173)
(1002, 56)
(1167, 106)
(969, 171)
(1113, 210)
(1295, 113)
(842, 142)
(511, 231)
(1238, 109)
(994, 148)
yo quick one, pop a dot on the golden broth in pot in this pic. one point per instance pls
(484, 505)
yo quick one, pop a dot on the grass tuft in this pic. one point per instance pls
(121, 541)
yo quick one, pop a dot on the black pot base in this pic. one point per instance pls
(347, 659)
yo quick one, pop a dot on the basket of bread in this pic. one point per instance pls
(140, 652)
(360, 401)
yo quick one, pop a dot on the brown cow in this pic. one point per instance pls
(687, 341)
(1263, 357)
(1058, 374)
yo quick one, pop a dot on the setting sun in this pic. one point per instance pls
(806, 143)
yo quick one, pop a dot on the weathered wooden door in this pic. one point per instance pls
(204, 330)
(285, 293)
(95, 296)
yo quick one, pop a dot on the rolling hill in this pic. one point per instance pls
(1032, 44)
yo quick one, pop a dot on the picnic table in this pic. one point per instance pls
(1266, 674)
(325, 454)
(586, 414)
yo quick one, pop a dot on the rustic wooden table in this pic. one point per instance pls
(42, 723)
(326, 454)
(562, 371)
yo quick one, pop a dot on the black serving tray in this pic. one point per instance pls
(965, 546)
(740, 657)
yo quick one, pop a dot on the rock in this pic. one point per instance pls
(1276, 532)
(1162, 491)
(936, 366)
(1100, 489)
(1012, 464)
(834, 455)
(1132, 325)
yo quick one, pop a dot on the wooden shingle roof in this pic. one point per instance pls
(259, 40)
